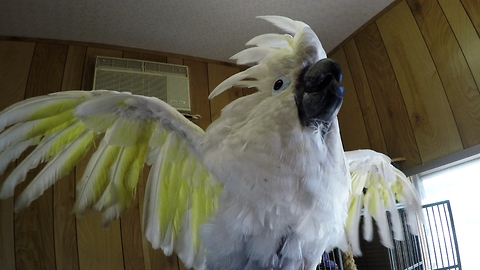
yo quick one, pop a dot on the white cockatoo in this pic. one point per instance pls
(266, 186)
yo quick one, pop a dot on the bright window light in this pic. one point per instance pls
(459, 184)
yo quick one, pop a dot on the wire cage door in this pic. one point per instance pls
(436, 248)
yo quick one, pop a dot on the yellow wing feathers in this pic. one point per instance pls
(377, 187)
(127, 133)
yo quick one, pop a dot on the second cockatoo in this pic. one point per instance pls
(266, 186)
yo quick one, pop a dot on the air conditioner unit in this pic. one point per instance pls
(165, 81)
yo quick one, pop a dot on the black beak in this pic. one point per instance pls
(319, 95)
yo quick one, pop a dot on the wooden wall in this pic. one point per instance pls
(46, 235)
(412, 78)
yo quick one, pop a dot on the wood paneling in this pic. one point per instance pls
(145, 56)
(216, 74)
(473, 9)
(422, 90)
(364, 95)
(199, 91)
(7, 228)
(175, 60)
(450, 63)
(133, 252)
(46, 235)
(66, 252)
(97, 247)
(34, 233)
(15, 60)
(416, 68)
(396, 127)
(465, 32)
(350, 117)
(412, 80)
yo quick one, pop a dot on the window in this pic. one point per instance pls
(458, 184)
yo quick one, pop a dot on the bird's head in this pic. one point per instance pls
(295, 63)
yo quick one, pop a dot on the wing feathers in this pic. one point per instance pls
(95, 178)
(39, 107)
(34, 128)
(377, 186)
(185, 184)
(58, 167)
(132, 131)
(48, 146)
(151, 219)
(14, 152)
(353, 222)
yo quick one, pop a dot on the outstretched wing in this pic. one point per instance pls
(128, 132)
(377, 186)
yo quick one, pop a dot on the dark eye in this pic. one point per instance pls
(280, 84)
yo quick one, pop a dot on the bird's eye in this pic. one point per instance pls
(280, 84)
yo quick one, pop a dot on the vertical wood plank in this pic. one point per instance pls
(66, 252)
(145, 56)
(352, 126)
(158, 260)
(130, 55)
(73, 73)
(7, 228)
(174, 60)
(216, 74)
(427, 105)
(34, 236)
(465, 33)
(451, 65)
(365, 99)
(199, 92)
(15, 60)
(473, 9)
(133, 253)
(46, 71)
(388, 99)
(98, 248)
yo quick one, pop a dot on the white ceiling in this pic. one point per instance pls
(214, 29)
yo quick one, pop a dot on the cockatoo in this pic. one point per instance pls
(266, 186)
